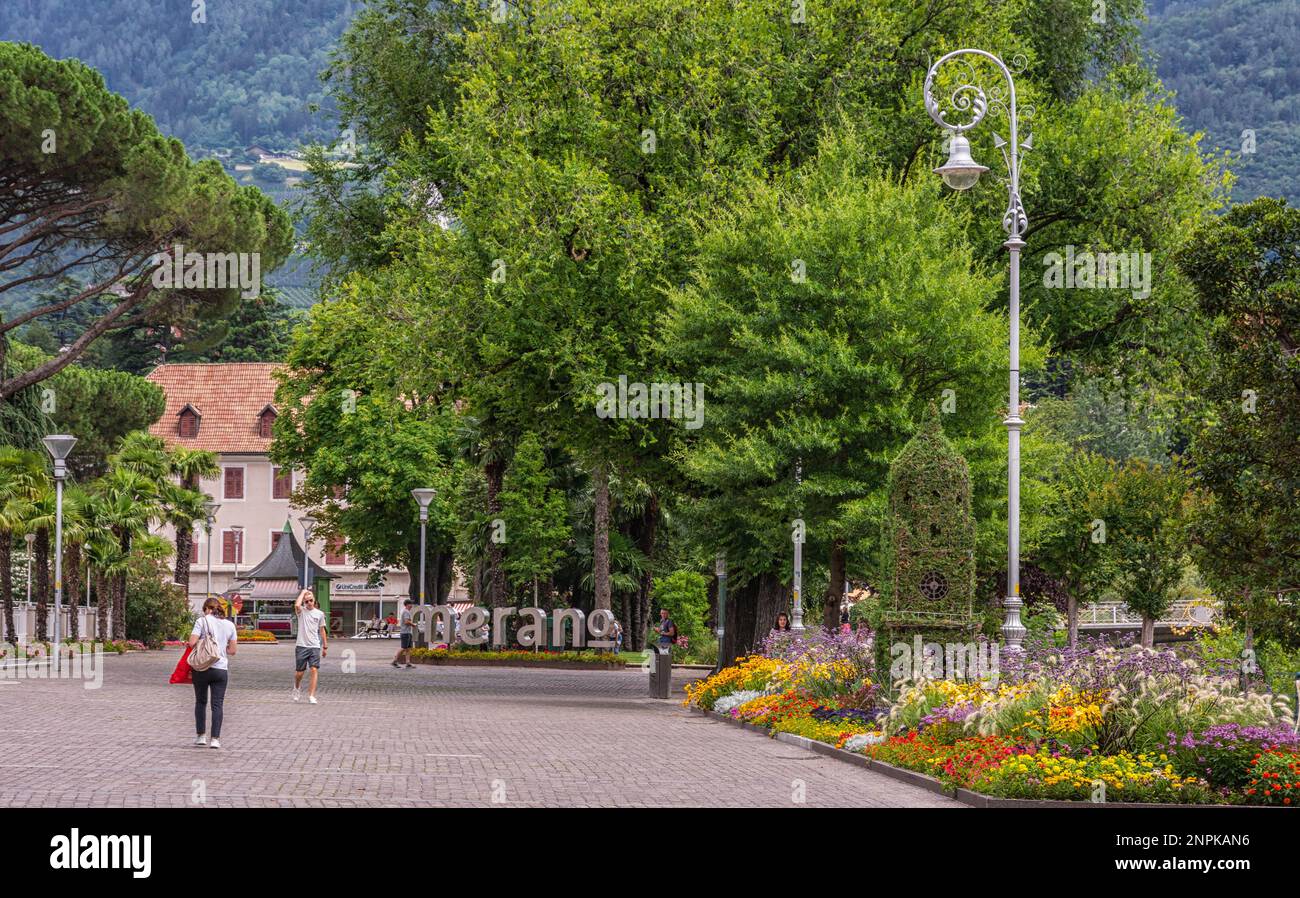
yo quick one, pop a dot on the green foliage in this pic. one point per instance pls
(535, 516)
(1145, 508)
(372, 431)
(98, 407)
(686, 596)
(156, 608)
(1246, 271)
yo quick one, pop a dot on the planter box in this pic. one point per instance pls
(929, 783)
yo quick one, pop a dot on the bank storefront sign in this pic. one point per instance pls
(478, 625)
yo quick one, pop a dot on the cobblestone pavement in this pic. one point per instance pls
(446, 736)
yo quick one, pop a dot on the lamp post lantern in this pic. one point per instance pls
(308, 525)
(961, 172)
(210, 509)
(58, 445)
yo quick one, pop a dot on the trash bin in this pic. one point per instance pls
(661, 671)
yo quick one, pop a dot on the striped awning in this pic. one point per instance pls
(274, 589)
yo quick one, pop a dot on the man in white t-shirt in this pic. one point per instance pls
(313, 642)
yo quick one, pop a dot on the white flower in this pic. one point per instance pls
(734, 700)
(862, 740)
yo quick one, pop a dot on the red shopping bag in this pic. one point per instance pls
(182, 672)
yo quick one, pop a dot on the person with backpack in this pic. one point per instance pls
(212, 642)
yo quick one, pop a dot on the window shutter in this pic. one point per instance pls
(282, 484)
(228, 547)
(234, 480)
(275, 539)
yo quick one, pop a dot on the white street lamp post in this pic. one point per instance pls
(961, 172)
(210, 510)
(424, 496)
(238, 530)
(308, 525)
(30, 538)
(58, 445)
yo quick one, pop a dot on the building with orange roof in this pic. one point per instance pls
(229, 408)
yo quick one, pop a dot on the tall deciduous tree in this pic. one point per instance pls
(1244, 445)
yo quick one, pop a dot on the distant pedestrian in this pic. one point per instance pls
(313, 642)
(782, 622)
(216, 677)
(618, 635)
(408, 634)
(666, 629)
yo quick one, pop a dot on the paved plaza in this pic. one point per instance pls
(440, 736)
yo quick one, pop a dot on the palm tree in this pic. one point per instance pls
(128, 504)
(190, 465)
(104, 561)
(21, 474)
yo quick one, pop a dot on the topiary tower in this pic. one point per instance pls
(929, 541)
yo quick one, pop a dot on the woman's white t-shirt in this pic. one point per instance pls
(224, 633)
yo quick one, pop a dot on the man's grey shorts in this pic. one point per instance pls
(304, 657)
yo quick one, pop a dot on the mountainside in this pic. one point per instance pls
(1234, 68)
(245, 73)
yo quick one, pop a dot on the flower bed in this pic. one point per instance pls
(1099, 723)
(256, 636)
(81, 646)
(517, 658)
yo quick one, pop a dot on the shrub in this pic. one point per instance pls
(686, 596)
(156, 608)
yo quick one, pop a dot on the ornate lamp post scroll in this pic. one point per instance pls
(961, 172)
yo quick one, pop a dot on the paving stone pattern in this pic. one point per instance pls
(441, 736)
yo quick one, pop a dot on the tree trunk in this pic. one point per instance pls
(835, 591)
(646, 543)
(72, 587)
(184, 546)
(496, 581)
(751, 614)
(103, 602)
(1072, 619)
(41, 570)
(1148, 631)
(600, 538)
(119, 606)
(7, 585)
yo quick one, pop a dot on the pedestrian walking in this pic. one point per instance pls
(408, 634)
(220, 638)
(313, 642)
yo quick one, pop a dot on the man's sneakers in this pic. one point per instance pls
(312, 700)
(410, 667)
(216, 743)
(297, 694)
(398, 666)
(201, 740)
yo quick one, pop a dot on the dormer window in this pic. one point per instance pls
(265, 421)
(188, 422)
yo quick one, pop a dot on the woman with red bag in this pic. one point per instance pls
(215, 677)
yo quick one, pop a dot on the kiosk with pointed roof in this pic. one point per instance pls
(278, 577)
